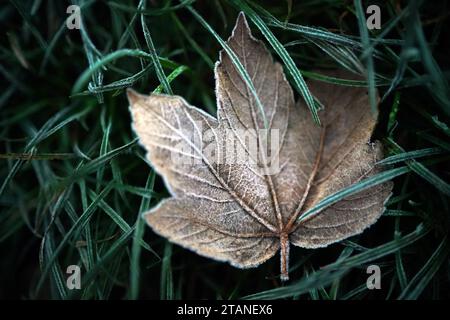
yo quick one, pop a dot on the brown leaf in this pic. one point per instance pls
(240, 211)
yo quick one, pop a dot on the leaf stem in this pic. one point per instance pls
(284, 256)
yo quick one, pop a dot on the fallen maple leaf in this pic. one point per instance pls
(239, 211)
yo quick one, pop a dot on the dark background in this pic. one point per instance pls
(60, 149)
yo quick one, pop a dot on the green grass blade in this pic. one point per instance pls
(148, 39)
(404, 156)
(367, 56)
(353, 189)
(424, 276)
(291, 68)
(137, 238)
(422, 171)
(337, 269)
(76, 227)
(235, 60)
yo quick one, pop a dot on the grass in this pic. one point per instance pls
(74, 181)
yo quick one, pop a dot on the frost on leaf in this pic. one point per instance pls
(244, 212)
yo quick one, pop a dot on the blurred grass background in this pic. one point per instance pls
(73, 180)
